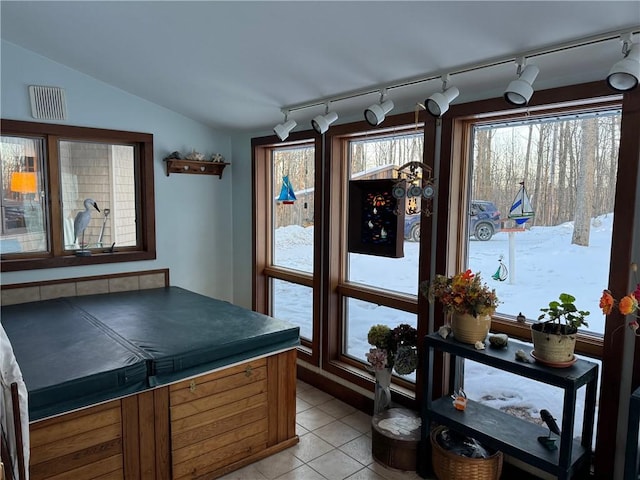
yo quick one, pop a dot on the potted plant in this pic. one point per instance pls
(554, 336)
(394, 349)
(469, 301)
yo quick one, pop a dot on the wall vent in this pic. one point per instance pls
(47, 103)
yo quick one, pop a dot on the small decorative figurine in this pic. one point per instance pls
(521, 318)
(459, 400)
(479, 345)
(217, 157)
(548, 442)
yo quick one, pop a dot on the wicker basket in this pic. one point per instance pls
(449, 466)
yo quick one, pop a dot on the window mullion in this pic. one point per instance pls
(54, 197)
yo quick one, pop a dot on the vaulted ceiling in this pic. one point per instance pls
(235, 65)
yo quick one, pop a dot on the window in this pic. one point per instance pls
(285, 174)
(565, 168)
(333, 295)
(52, 173)
(382, 278)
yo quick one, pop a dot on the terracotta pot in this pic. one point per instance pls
(551, 348)
(468, 328)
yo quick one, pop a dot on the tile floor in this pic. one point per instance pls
(335, 444)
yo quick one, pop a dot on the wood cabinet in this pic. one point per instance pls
(205, 426)
(511, 435)
(195, 167)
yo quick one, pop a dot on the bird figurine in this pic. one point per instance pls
(80, 224)
(548, 442)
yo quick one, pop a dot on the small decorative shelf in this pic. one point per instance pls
(195, 167)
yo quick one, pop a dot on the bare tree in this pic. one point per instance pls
(585, 183)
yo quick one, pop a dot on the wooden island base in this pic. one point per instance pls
(202, 427)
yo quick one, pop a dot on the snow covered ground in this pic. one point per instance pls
(543, 265)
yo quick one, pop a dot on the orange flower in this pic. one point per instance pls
(606, 302)
(628, 304)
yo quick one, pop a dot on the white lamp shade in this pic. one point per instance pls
(438, 103)
(375, 114)
(520, 90)
(282, 130)
(321, 123)
(625, 74)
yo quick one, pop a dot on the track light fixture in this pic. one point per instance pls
(282, 130)
(520, 90)
(321, 123)
(625, 74)
(438, 103)
(375, 114)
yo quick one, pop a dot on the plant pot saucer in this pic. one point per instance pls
(554, 364)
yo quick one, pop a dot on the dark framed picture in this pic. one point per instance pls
(376, 218)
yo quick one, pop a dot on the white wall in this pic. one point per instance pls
(193, 212)
(242, 215)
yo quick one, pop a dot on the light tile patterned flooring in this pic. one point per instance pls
(335, 444)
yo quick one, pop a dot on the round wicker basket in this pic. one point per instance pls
(468, 328)
(449, 466)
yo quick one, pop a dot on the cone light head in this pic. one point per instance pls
(519, 91)
(625, 74)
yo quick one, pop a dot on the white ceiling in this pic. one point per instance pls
(234, 65)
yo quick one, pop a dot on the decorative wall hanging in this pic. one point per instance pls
(415, 183)
(376, 218)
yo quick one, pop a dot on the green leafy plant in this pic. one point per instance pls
(563, 317)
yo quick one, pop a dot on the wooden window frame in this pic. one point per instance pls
(334, 360)
(455, 147)
(145, 248)
(264, 271)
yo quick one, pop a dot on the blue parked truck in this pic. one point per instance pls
(484, 222)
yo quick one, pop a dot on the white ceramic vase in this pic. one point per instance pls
(382, 393)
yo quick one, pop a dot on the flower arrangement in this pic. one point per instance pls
(394, 348)
(627, 305)
(462, 293)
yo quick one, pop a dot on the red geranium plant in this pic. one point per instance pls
(627, 305)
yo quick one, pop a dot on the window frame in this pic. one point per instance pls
(264, 271)
(588, 344)
(145, 248)
(334, 360)
(455, 146)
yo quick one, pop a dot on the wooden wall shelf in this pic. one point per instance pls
(195, 167)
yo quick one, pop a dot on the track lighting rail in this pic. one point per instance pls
(624, 76)
(406, 82)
